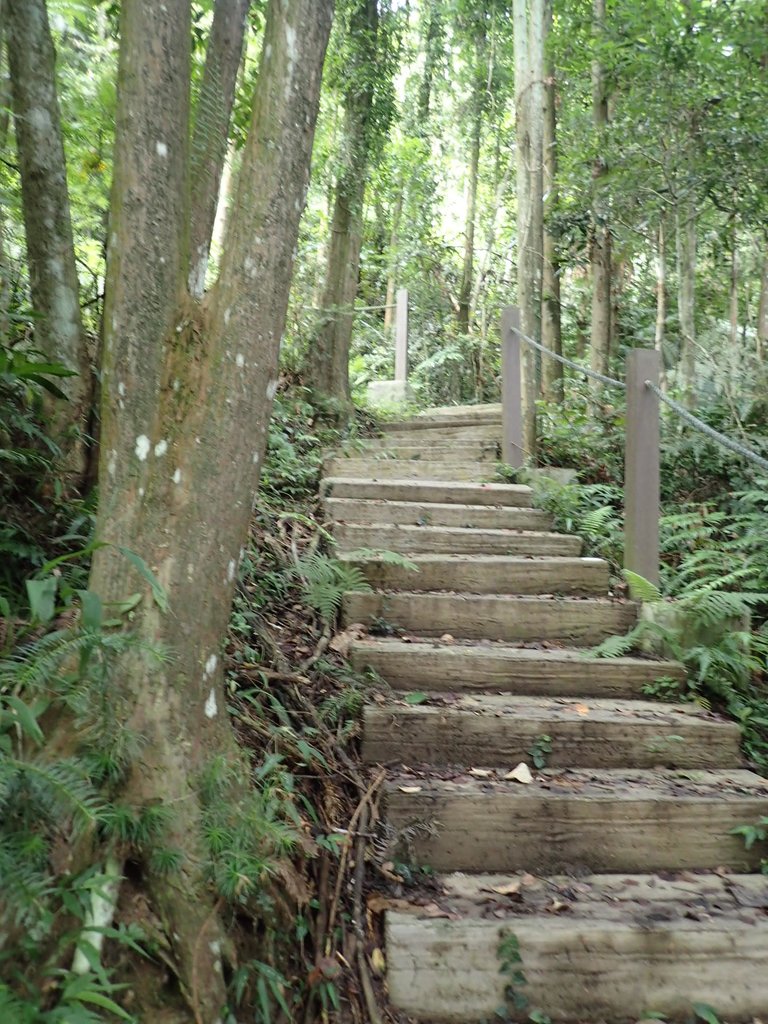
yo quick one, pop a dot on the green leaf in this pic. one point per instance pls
(158, 594)
(25, 717)
(42, 598)
(642, 589)
(705, 1012)
(99, 999)
(91, 609)
(416, 698)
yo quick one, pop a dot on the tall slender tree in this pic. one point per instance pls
(529, 107)
(48, 224)
(600, 229)
(551, 335)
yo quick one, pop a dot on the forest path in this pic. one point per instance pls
(600, 883)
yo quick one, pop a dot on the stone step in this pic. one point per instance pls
(489, 574)
(448, 415)
(502, 495)
(478, 451)
(604, 948)
(443, 433)
(431, 665)
(423, 513)
(407, 469)
(579, 820)
(454, 540)
(492, 729)
(573, 622)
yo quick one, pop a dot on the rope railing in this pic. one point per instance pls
(642, 461)
(682, 412)
(704, 428)
(586, 370)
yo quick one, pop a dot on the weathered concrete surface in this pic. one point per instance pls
(366, 511)
(454, 540)
(459, 493)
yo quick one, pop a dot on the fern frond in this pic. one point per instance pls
(641, 588)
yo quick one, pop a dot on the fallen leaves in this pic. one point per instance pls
(522, 773)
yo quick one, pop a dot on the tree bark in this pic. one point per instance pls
(5, 267)
(733, 296)
(551, 335)
(329, 355)
(433, 49)
(686, 299)
(762, 312)
(660, 330)
(211, 133)
(54, 285)
(600, 243)
(478, 104)
(528, 18)
(187, 396)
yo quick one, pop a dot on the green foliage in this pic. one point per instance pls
(511, 966)
(325, 580)
(540, 750)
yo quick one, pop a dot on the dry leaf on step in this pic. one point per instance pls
(341, 642)
(509, 889)
(481, 773)
(446, 638)
(520, 774)
(409, 789)
(378, 963)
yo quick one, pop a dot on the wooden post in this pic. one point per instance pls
(401, 335)
(512, 450)
(642, 502)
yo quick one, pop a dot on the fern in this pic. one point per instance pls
(325, 580)
(642, 589)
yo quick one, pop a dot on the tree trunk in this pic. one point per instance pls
(686, 299)
(479, 87)
(209, 140)
(600, 243)
(5, 266)
(529, 106)
(433, 49)
(54, 285)
(733, 297)
(329, 355)
(660, 329)
(187, 394)
(551, 336)
(762, 312)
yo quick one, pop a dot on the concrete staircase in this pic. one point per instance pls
(614, 867)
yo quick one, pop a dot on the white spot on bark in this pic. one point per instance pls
(271, 389)
(251, 267)
(227, 315)
(99, 915)
(268, 51)
(142, 492)
(161, 448)
(210, 665)
(231, 570)
(255, 458)
(211, 708)
(162, 149)
(176, 384)
(121, 389)
(143, 444)
(112, 464)
(240, 359)
(177, 477)
(215, 947)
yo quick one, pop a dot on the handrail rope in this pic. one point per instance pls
(722, 439)
(347, 308)
(715, 435)
(610, 381)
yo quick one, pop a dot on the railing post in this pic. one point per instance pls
(512, 450)
(642, 502)
(401, 335)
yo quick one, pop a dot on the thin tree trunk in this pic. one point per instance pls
(329, 355)
(529, 105)
(551, 335)
(50, 246)
(733, 297)
(394, 243)
(660, 330)
(473, 171)
(5, 267)
(187, 396)
(433, 44)
(209, 140)
(686, 299)
(600, 247)
(762, 312)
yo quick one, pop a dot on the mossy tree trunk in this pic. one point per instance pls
(188, 383)
(54, 286)
(551, 335)
(600, 229)
(329, 356)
